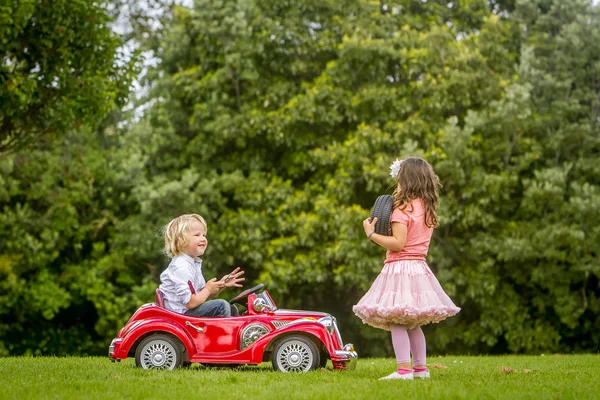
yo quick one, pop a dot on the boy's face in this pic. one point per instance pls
(197, 241)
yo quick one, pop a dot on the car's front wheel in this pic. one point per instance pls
(295, 354)
(159, 351)
(324, 357)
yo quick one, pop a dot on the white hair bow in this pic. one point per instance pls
(395, 168)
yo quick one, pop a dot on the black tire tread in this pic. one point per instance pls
(382, 209)
(324, 356)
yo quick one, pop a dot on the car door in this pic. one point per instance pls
(216, 335)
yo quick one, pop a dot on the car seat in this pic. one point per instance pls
(159, 300)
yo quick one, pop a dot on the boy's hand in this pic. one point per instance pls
(232, 279)
(214, 286)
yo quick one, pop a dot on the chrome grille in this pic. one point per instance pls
(279, 324)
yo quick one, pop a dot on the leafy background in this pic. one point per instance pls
(277, 121)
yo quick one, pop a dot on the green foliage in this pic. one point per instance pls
(61, 68)
(60, 272)
(277, 121)
(526, 222)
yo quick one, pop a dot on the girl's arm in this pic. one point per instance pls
(395, 242)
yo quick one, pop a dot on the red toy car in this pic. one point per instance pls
(292, 340)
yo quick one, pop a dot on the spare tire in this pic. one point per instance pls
(382, 209)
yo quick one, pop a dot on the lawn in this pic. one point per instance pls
(452, 377)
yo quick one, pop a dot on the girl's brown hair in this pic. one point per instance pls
(416, 180)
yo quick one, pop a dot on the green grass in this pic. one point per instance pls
(508, 377)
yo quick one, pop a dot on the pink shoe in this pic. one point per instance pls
(395, 375)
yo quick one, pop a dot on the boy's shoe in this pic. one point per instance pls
(395, 375)
(422, 374)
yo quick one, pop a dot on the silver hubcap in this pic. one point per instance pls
(158, 354)
(294, 356)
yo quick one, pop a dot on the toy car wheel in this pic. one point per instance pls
(382, 209)
(324, 357)
(159, 351)
(295, 354)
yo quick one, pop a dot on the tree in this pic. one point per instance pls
(281, 119)
(277, 121)
(523, 194)
(285, 130)
(61, 68)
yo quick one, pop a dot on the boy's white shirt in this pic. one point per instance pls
(174, 282)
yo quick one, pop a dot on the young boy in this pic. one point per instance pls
(183, 287)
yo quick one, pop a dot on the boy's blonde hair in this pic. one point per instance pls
(175, 233)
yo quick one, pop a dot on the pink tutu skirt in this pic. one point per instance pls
(405, 293)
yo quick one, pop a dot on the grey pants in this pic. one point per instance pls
(214, 308)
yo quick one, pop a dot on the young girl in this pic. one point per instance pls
(406, 294)
(184, 288)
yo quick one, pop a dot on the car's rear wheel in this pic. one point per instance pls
(159, 351)
(295, 354)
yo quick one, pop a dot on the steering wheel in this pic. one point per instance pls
(246, 293)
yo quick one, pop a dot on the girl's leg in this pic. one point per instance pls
(419, 353)
(418, 347)
(401, 342)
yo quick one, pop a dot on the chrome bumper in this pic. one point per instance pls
(113, 344)
(348, 353)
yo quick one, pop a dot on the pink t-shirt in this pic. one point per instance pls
(418, 234)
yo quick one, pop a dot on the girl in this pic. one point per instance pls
(183, 287)
(406, 294)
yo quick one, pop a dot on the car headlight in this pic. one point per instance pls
(327, 322)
